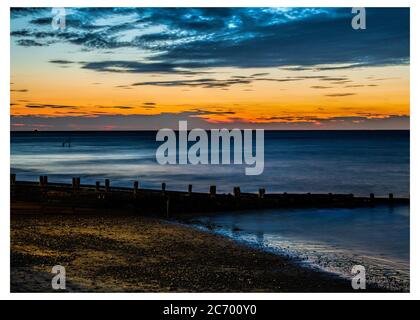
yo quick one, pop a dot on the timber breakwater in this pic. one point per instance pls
(76, 197)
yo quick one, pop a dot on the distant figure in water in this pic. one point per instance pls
(67, 142)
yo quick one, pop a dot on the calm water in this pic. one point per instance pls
(358, 162)
(332, 240)
(347, 162)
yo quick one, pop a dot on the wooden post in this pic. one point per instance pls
(74, 184)
(351, 199)
(330, 197)
(107, 185)
(78, 183)
(98, 186)
(212, 190)
(237, 192)
(372, 198)
(391, 198)
(13, 179)
(163, 187)
(190, 189)
(167, 208)
(43, 182)
(261, 193)
(135, 187)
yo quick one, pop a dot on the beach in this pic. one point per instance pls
(116, 220)
(329, 239)
(128, 253)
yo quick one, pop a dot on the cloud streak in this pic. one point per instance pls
(195, 119)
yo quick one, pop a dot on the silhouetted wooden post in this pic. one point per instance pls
(75, 182)
(12, 179)
(97, 186)
(261, 193)
(107, 183)
(351, 199)
(43, 180)
(237, 192)
(391, 198)
(372, 198)
(330, 197)
(167, 208)
(213, 190)
(163, 187)
(135, 187)
(190, 189)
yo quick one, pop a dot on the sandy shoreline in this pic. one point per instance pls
(121, 253)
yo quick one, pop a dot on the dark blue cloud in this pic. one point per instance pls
(29, 43)
(234, 37)
(314, 40)
(136, 67)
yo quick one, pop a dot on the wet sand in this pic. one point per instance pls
(123, 253)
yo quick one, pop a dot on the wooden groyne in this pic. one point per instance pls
(80, 198)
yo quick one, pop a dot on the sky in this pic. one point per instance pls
(270, 68)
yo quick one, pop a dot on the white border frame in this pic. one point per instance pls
(5, 148)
